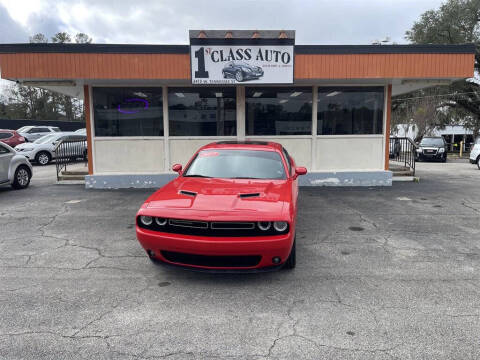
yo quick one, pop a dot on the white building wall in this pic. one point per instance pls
(129, 156)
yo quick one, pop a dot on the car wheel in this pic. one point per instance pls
(43, 158)
(478, 163)
(239, 76)
(444, 159)
(22, 177)
(292, 258)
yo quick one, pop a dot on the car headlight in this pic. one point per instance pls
(419, 149)
(441, 150)
(161, 221)
(280, 226)
(146, 220)
(248, 70)
(264, 225)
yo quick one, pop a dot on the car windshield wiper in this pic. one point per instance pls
(197, 175)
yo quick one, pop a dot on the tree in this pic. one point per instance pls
(455, 22)
(38, 38)
(82, 38)
(61, 38)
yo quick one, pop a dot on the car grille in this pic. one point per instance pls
(211, 229)
(212, 261)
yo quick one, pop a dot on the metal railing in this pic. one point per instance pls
(402, 150)
(68, 152)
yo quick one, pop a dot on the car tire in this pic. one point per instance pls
(444, 159)
(239, 76)
(478, 162)
(43, 158)
(292, 258)
(21, 178)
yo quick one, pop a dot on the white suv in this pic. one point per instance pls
(475, 153)
(32, 133)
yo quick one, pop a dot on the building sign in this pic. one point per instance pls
(236, 64)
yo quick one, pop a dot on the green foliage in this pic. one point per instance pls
(455, 22)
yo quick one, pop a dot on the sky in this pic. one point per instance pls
(168, 21)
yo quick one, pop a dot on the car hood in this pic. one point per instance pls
(32, 145)
(221, 199)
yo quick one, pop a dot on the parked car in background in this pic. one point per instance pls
(42, 150)
(234, 207)
(475, 153)
(432, 148)
(32, 133)
(15, 169)
(241, 71)
(11, 137)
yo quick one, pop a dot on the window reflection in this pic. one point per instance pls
(350, 110)
(126, 111)
(278, 111)
(202, 111)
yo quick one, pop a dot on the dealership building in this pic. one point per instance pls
(151, 106)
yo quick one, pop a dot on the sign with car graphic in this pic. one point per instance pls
(266, 64)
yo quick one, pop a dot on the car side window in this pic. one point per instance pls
(287, 159)
(5, 135)
(3, 150)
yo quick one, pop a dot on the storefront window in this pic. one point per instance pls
(202, 111)
(278, 111)
(127, 111)
(350, 110)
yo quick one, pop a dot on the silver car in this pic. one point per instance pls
(15, 169)
(32, 133)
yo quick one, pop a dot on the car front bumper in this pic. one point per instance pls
(437, 156)
(160, 246)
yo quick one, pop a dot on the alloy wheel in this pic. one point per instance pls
(43, 159)
(22, 177)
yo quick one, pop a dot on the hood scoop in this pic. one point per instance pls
(250, 195)
(188, 193)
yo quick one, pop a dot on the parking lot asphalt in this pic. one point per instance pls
(382, 273)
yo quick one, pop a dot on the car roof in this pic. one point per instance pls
(244, 145)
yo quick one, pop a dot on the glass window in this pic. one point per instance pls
(128, 111)
(5, 135)
(278, 111)
(40, 130)
(3, 150)
(350, 110)
(432, 142)
(202, 111)
(237, 164)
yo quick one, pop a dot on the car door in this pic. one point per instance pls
(5, 158)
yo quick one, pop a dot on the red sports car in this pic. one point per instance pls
(233, 207)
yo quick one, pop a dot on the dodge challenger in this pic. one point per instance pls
(232, 208)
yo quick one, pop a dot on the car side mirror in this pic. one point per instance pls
(300, 170)
(177, 168)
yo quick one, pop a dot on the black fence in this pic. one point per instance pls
(402, 150)
(68, 152)
(63, 125)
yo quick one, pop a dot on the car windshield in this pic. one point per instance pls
(24, 128)
(432, 142)
(237, 164)
(45, 139)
